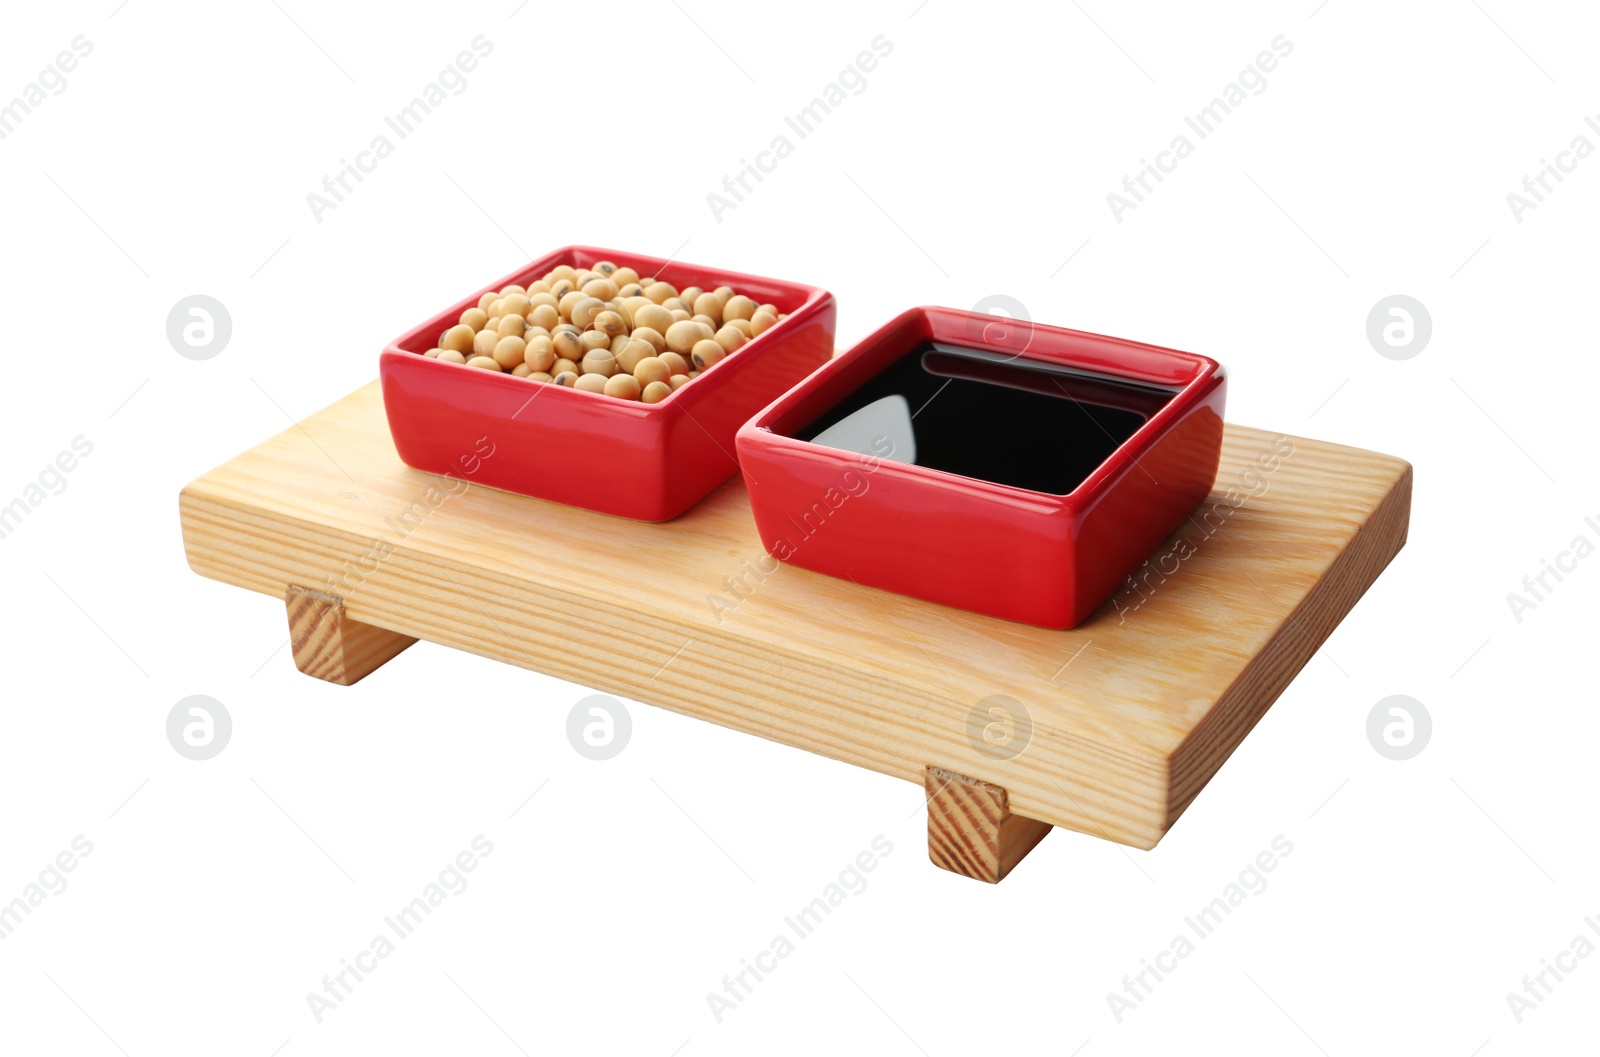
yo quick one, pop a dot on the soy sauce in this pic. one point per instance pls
(993, 417)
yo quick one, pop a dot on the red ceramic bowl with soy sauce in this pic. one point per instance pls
(1013, 469)
(649, 462)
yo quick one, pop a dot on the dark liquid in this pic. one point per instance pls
(1011, 421)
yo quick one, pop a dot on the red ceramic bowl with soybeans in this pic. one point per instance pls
(620, 454)
(1021, 471)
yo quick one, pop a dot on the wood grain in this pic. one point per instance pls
(1131, 713)
(971, 830)
(329, 645)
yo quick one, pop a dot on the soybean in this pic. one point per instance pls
(540, 354)
(651, 369)
(458, 338)
(682, 335)
(567, 344)
(652, 317)
(584, 310)
(706, 353)
(508, 351)
(710, 305)
(546, 316)
(600, 362)
(623, 387)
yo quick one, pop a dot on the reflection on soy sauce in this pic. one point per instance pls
(992, 416)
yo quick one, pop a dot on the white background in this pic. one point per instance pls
(977, 160)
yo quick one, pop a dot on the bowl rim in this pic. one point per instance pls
(1205, 375)
(812, 301)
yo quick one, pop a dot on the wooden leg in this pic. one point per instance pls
(331, 646)
(971, 830)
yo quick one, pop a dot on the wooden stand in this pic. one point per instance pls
(330, 645)
(971, 830)
(1114, 726)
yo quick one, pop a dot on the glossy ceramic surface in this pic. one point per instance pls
(1030, 556)
(649, 462)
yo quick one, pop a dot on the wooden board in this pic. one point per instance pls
(1130, 713)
